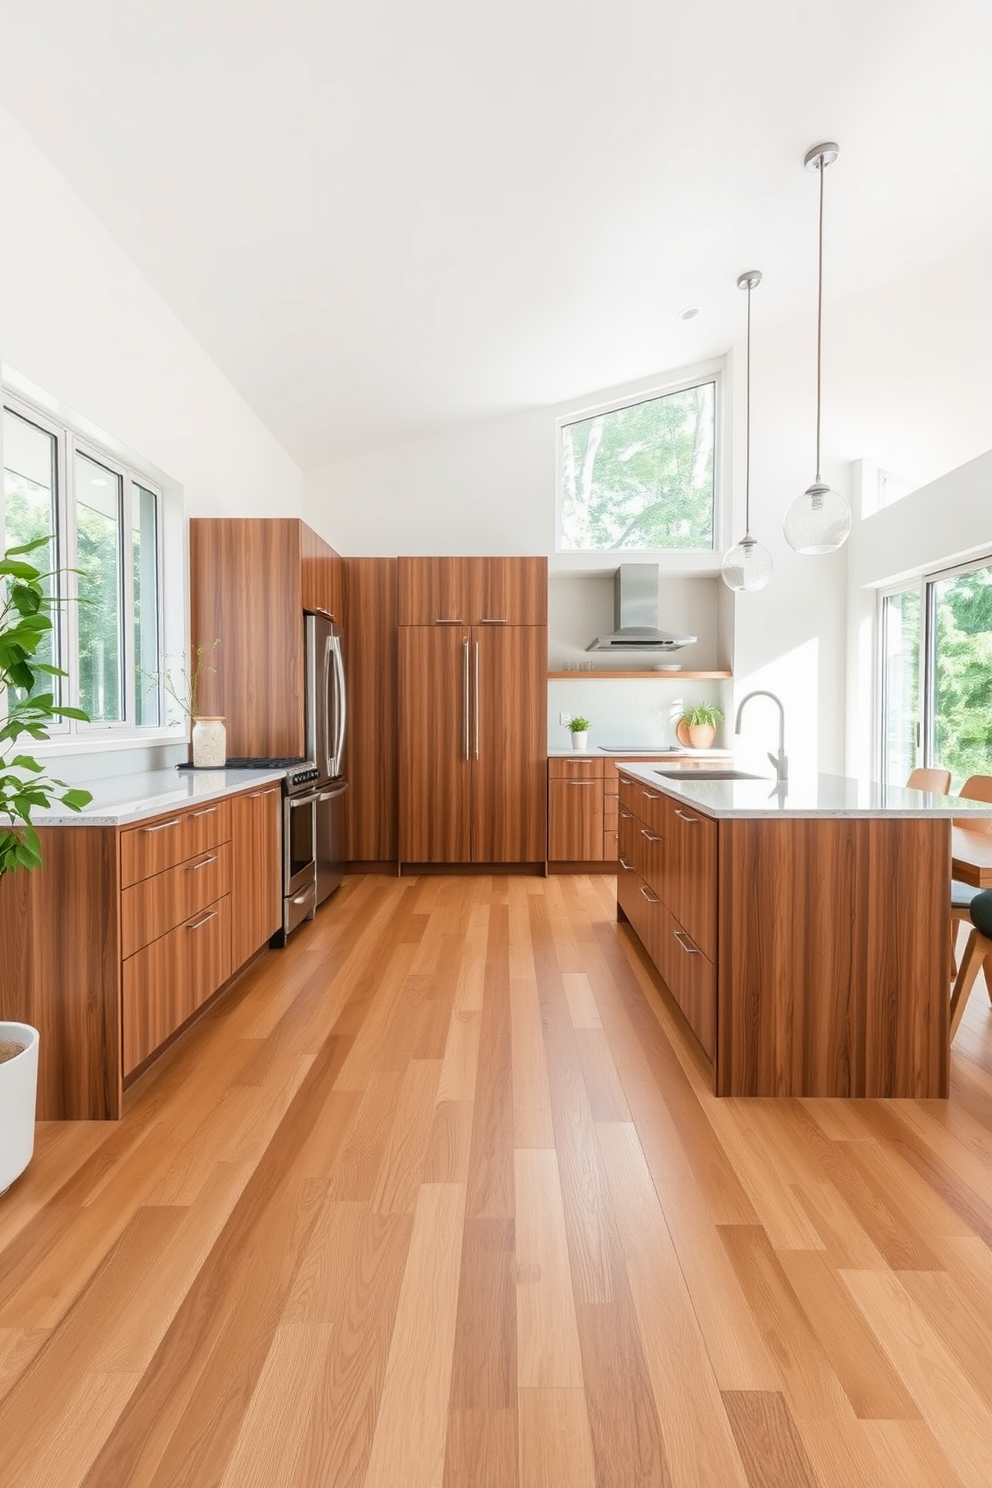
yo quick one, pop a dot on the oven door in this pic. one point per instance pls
(299, 859)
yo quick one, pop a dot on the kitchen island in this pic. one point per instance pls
(802, 928)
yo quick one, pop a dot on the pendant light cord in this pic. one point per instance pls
(819, 322)
(747, 423)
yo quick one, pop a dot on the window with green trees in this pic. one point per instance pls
(936, 677)
(641, 475)
(103, 521)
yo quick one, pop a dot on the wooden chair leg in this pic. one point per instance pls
(979, 947)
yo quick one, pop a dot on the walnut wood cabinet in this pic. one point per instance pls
(127, 932)
(473, 591)
(575, 811)
(251, 578)
(370, 751)
(808, 955)
(472, 688)
(256, 849)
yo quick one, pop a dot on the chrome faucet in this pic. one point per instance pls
(778, 760)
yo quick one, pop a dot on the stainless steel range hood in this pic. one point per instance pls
(635, 614)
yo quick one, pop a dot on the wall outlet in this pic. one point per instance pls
(564, 717)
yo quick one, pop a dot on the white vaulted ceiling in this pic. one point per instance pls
(383, 218)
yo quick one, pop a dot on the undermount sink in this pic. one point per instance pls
(692, 774)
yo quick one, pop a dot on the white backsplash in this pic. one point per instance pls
(628, 711)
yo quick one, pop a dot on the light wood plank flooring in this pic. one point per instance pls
(437, 1197)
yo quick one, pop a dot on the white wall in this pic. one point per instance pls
(907, 384)
(80, 322)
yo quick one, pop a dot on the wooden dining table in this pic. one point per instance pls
(971, 857)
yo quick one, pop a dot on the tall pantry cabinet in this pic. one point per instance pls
(472, 687)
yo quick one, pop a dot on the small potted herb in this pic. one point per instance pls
(700, 724)
(579, 727)
(23, 787)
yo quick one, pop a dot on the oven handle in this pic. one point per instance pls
(331, 795)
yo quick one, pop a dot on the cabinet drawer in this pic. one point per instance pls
(167, 981)
(691, 891)
(575, 820)
(158, 904)
(566, 769)
(691, 979)
(164, 844)
(651, 859)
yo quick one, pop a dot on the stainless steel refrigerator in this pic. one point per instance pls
(327, 717)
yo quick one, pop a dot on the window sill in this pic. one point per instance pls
(76, 744)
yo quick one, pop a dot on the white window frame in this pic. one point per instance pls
(70, 735)
(925, 716)
(674, 558)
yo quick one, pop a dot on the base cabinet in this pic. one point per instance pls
(127, 932)
(808, 955)
(256, 843)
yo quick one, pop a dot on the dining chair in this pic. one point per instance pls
(978, 952)
(975, 788)
(924, 778)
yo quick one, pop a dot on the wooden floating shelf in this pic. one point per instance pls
(656, 676)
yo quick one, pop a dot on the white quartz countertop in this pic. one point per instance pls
(124, 799)
(806, 795)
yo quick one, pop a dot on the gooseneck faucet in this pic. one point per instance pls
(778, 760)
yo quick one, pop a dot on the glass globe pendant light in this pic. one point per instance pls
(819, 520)
(747, 565)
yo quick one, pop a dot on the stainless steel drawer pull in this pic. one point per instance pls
(627, 867)
(302, 898)
(162, 825)
(685, 816)
(627, 815)
(200, 923)
(456, 621)
(272, 791)
(651, 795)
(492, 620)
(651, 898)
(195, 867)
(583, 782)
(686, 943)
(651, 836)
(207, 811)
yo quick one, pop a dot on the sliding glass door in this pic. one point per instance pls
(958, 721)
(936, 675)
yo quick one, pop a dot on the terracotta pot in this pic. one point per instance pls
(701, 735)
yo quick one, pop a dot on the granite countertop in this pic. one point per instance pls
(123, 799)
(805, 795)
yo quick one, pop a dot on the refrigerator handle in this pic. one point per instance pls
(340, 701)
(327, 763)
(465, 683)
(477, 700)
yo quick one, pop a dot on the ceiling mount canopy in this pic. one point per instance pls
(819, 520)
(747, 565)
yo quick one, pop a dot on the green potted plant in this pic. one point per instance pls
(700, 725)
(579, 728)
(23, 786)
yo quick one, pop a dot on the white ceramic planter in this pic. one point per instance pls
(18, 1094)
(580, 740)
(209, 743)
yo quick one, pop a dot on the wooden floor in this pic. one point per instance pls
(438, 1196)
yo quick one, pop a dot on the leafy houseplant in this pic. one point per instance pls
(579, 728)
(700, 723)
(23, 786)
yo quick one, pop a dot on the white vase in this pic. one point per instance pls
(209, 743)
(18, 1094)
(580, 740)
